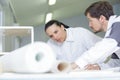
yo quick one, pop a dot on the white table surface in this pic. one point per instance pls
(79, 75)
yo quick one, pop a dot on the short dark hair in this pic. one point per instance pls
(100, 8)
(51, 22)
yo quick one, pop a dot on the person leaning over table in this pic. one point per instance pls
(101, 18)
(68, 43)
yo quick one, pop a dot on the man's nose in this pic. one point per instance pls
(89, 24)
(55, 37)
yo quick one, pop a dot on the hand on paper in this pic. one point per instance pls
(74, 66)
(92, 67)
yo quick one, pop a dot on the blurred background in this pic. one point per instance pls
(35, 13)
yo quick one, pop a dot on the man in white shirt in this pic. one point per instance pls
(101, 18)
(69, 43)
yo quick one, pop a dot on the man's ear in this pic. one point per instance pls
(102, 18)
(62, 27)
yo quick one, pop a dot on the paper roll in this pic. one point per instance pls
(61, 67)
(37, 57)
(1, 68)
(114, 69)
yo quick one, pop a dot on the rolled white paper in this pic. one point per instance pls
(1, 68)
(37, 57)
(115, 69)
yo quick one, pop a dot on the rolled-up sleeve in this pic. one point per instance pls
(98, 53)
(112, 63)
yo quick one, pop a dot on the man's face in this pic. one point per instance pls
(94, 23)
(56, 33)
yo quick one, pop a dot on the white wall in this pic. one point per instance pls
(0, 30)
(39, 34)
(76, 21)
(7, 20)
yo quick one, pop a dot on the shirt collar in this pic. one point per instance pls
(110, 23)
(69, 36)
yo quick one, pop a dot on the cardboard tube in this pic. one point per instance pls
(61, 66)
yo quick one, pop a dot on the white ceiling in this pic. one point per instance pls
(32, 12)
